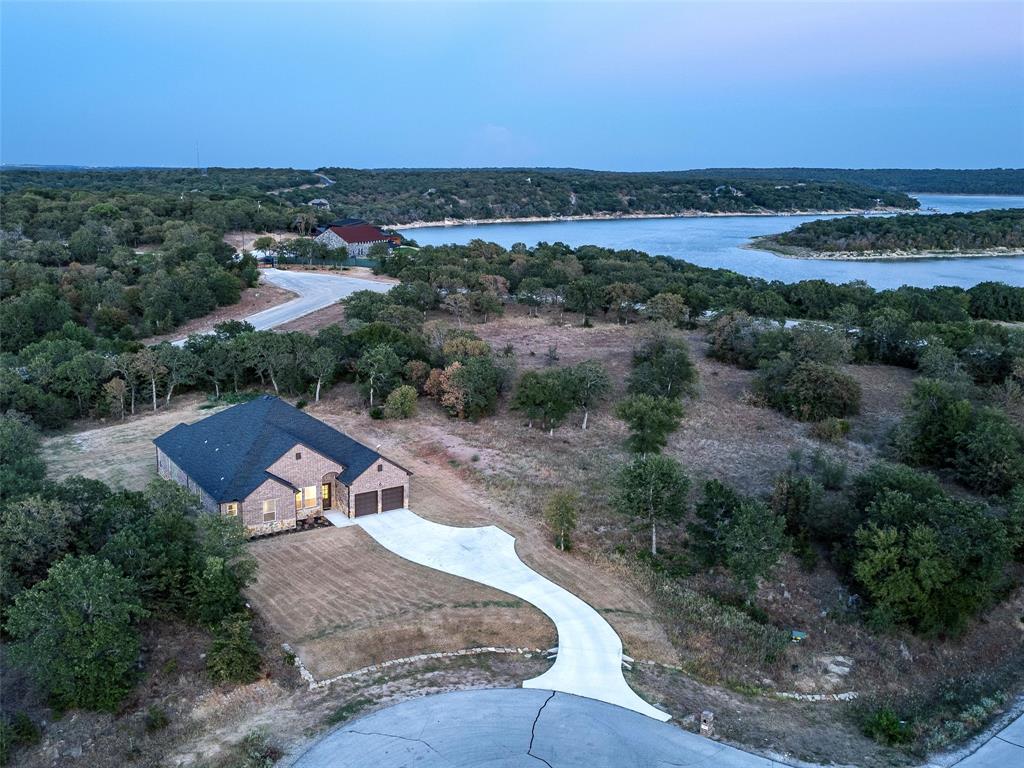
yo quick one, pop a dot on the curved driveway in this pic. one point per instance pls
(589, 661)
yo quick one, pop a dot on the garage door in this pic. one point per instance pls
(366, 503)
(392, 498)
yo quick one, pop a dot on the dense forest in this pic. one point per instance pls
(938, 232)
(990, 181)
(406, 195)
(397, 196)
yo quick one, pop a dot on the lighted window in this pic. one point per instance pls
(231, 509)
(269, 510)
(309, 496)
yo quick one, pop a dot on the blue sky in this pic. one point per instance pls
(626, 86)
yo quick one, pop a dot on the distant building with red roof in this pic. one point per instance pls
(357, 238)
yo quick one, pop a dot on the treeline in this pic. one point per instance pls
(989, 181)
(85, 566)
(936, 232)
(406, 195)
(233, 182)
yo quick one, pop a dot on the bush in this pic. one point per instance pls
(156, 718)
(830, 430)
(885, 726)
(936, 416)
(401, 403)
(990, 456)
(234, 656)
(816, 391)
(832, 472)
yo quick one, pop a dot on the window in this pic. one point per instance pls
(380, 467)
(305, 497)
(298, 455)
(269, 510)
(231, 509)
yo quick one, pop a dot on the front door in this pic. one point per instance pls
(325, 494)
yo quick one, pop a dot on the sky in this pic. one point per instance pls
(603, 85)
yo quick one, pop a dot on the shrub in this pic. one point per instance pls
(233, 655)
(885, 726)
(156, 718)
(990, 456)
(936, 416)
(662, 368)
(401, 403)
(561, 512)
(816, 391)
(832, 472)
(830, 430)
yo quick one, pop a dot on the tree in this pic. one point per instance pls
(711, 518)
(34, 533)
(401, 403)
(234, 656)
(21, 469)
(216, 593)
(457, 305)
(753, 540)
(588, 384)
(929, 566)
(74, 632)
(651, 420)
(561, 512)
(584, 295)
(669, 308)
(622, 299)
(148, 365)
(543, 397)
(652, 487)
(379, 369)
(115, 392)
(662, 368)
(936, 416)
(466, 390)
(322, 365)
(816, 391)
(182, 365)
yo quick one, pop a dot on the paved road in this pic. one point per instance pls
(316, 290)
(589, 661)
(508, 728)
(1005, 749)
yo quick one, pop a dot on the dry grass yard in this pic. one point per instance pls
(345, 602)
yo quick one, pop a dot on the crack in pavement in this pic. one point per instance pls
(395, 736)
(533, 731)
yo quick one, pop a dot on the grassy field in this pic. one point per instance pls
(345, 602)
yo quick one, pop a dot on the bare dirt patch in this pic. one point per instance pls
(240, 240)
(344, 602)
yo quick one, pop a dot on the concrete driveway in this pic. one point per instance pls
(316, 290)
(589, 661)
(502, 728)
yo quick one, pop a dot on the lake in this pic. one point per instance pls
(716, 241)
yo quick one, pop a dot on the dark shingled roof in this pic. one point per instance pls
(228, 454)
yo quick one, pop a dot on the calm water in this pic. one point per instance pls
(717, 241)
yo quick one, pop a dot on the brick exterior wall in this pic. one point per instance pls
(311, 469)
(168, 470)
(374, 480)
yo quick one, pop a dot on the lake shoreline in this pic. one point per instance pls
(628, 216)
(793, 252)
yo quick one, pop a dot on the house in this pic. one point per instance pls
(276, 467)
(357, 238)
(320, 204)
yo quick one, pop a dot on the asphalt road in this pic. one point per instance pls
(528, 728)
(512, 727)
(316, 290)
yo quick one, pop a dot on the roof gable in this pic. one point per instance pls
(228, 454)
(359, 233)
